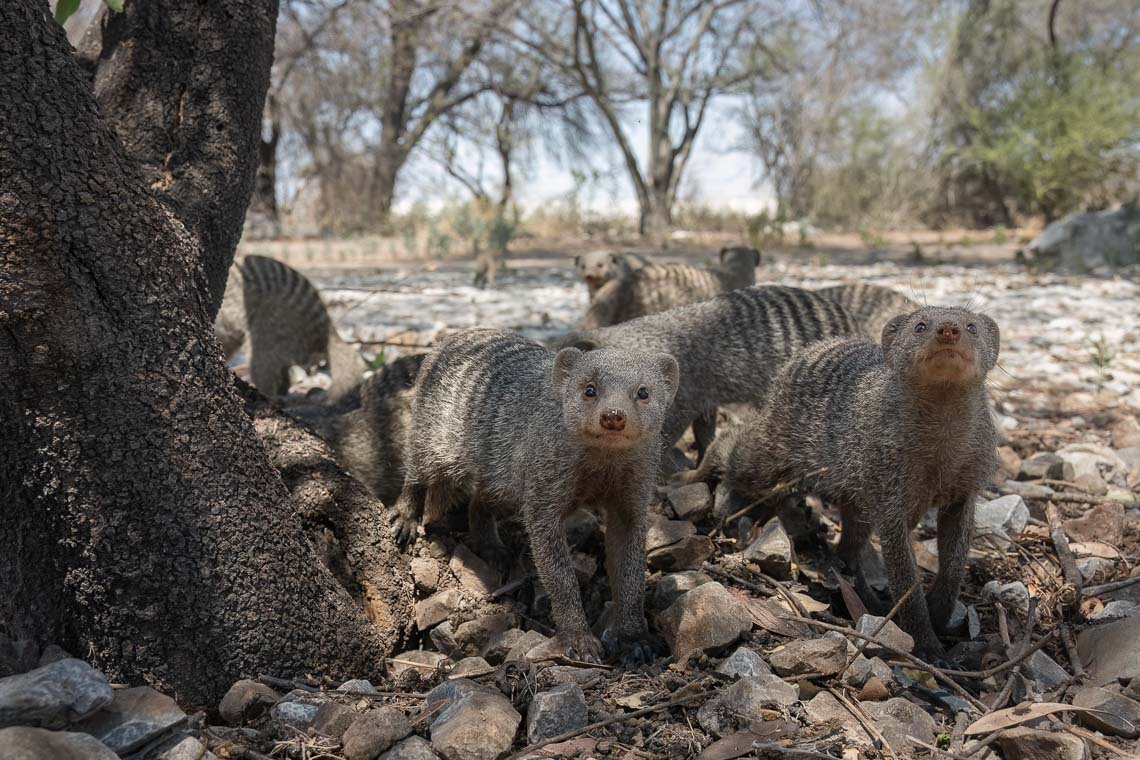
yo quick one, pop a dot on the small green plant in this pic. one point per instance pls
(943, 740)
(1000, 235)
(916, 254)
(378, 361)
(1102, 357)
(872, 238)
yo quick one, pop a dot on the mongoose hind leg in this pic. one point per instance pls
(483, 533)
(704, 431)
(627, 635)
(542, 518)
(955, 528)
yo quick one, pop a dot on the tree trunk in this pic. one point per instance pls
(263, 220)
(146, 529)
(392, 152)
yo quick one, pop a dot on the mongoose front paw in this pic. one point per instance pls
(583, 647)
(631, 651)
(403, 528)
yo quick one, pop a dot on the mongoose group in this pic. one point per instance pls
(880, 401)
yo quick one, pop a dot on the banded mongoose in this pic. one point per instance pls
(370, 441)
(658, 287)
(873, 305)
(729, 347)
(281, 313)
(596, 268)
(517, 426)
(891, 431)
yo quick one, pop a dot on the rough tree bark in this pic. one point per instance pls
(145, 527)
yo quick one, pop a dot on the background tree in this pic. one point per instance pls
(146, 528)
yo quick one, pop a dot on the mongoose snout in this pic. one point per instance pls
(949, 332)
(613, 419)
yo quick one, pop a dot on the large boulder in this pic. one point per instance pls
(1089, 242)
(53, 696)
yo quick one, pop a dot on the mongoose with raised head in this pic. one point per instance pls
(282, 315)
(370, 441)
(873, 305)
(517, 426)
(655, 288)
(887, 432)
(729, 347)
(596, 268)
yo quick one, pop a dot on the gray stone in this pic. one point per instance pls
(185, 747)
(1095, 569)
(425, 573)
(133, 717)
(1013, 595)
(822, 655)
(560, 674)
(524, 644)
(1023, 743)
(1088, 241)
(672, 585)
(744, 662)
(453, 690)
(1043, 669)
(555, 712)
(297, 714)
(443, 638)
(1117, 609)
(358, 686)
(898, 718)
(1103, 522)
(245, 701)
(1008, 514)
(689, 553)
(479, 726)
(706, 618)
(54, 695)
(52, 653)
(420, 660)
(1111, 651)
(1047, 466)
(1125, 433)
(500, 645)
(691, 502)
(739, 706)
(437, 608)
(473, 573)
(772, 550)
(663, 532)
(825, 708)
(470, 665)
(28, 743)
(412, 748)
(890, 635)
(375, 731)
(863, 669)
(473, 636)
(1116, 714)
(333, 719)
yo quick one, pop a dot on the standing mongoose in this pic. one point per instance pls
(517, 426)
(655, 288)
(281, 313)
(729, 347)
(873, 305)
(370, 441)
(596, 268)
(887, 433)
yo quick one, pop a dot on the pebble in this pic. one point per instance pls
(479, 726)
(443, 638)
(1008, 514)
(1023, 743)
(863, 669)
(333, 719)
(496, 650)
(690, 502)
(524, 644)
(823, 655)
(772, 550)
(555, 712)
(245, 701)
(53, 695)
(296, 714)
(186, 747)
(1013, 595)
(706, 618)
(744, 662)
(437, 608)
(740, 705)
(468, 665)
(421, 660)
(472, 637)
(412, 748)
(30, 743)
(133, 717)
(425, 573)
(473, 573)
(898, 718)
(689, 553)
(672, 585)
(890, 635)
(874, 690)
(375, 731)
(1117, 714)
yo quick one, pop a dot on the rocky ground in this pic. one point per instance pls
(760, 656)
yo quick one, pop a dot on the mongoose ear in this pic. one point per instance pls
(992, 328)
(891, 331)
(671, 371)
(577, 260)
(721, 254)
(564, 361)
(755, 257)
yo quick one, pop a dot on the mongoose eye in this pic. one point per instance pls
(591, 391)
(920, 328)
(643, 393)
(972, 328)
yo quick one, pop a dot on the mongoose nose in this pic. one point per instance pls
(613, 419)
(949, 332)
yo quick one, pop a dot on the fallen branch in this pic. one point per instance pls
(1070, 593)
(1081, 498)
(1105, 588)
(864, 721)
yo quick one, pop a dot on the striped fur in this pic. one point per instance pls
(510, 423)
(872, 305)
(285, 321)
(658, 287)
(888, 433)
(729, 347)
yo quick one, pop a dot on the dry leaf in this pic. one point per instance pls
(855, 607)
(1023, 713)
(1094, 549)
(740, 743)
(634, 701)
(1091, 606)
(770, 616)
